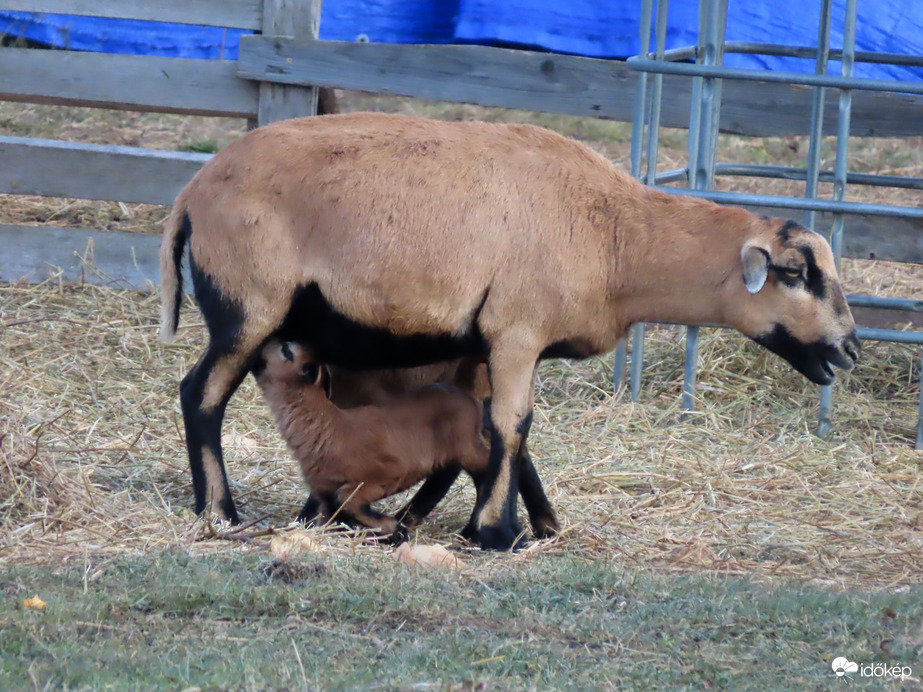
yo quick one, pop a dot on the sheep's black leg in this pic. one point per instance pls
(204, 395)
(541, 513)
(428, 496)
(511, 380)
(234, 339)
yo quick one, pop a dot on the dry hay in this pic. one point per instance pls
(92, 458)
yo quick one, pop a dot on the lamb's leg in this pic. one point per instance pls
(314, 507)
(354, 501)
(428, 496)
(511, 378)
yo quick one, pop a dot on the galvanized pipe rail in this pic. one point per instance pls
(707, 73)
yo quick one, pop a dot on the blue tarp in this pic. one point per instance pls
(581, 27)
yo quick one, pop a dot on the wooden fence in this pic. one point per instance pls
(268, 82)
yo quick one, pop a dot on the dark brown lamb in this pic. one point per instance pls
(352, 458)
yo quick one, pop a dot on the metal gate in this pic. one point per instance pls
(707, 72)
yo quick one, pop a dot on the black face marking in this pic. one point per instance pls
(814, 281)
(223, 316)
(339, 340)
(784, 232)
(782, 273)
(812, 360)
(287, 352)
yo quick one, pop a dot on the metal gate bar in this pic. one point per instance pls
(707, 73)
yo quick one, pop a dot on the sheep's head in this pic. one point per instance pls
(291, 363)
(790, 300)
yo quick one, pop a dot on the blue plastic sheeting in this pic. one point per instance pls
(581, 27)
(612, 30)
(122, 35)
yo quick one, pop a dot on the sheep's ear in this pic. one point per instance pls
(756, 266)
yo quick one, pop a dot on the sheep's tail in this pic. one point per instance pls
(175, 235)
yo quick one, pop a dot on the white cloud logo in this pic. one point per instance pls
(842, 665)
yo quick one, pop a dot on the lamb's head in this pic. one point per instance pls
(290, 363)
(789, 299)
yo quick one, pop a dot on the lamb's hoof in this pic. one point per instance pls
(469, 533)
(408, 519)
(400, 535)
(499, 538)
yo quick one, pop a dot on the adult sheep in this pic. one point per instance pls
(386, 241)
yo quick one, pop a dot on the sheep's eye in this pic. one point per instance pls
(792, 272)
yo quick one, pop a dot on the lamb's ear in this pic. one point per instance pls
(328, 384)
(311, 372)
(755, 259)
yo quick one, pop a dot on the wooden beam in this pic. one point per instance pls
(91, 171)
(237, 14)
(553, 83)
(127, 82)
(34, 254)
(287, 18)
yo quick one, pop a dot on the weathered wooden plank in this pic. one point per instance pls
(92, 171)
(104, 258)
(285, 18)
(553, 83)
(237, 14)
(475, 74)
(132, 82)
(34, 254)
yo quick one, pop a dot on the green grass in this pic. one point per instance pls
(171, 621)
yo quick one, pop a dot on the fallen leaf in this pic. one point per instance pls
(287, 545)
(34, 602)
(427, 555)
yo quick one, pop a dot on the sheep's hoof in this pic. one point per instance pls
(545, 526)
(499, 538)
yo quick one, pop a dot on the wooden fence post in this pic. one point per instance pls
(297, 19)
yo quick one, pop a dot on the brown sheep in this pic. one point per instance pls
(387, 241)
(352, 458)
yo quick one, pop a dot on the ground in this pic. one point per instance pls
(727, 548)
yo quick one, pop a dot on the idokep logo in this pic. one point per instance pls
(843, 667)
